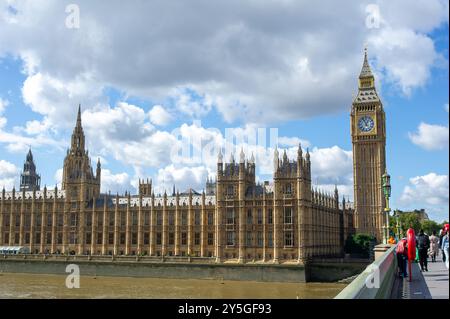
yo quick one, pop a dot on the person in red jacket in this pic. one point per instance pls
(402, 257)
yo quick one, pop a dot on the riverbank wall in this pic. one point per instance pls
(188, 268)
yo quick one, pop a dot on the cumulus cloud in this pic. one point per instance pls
(332, 166)
(430, 137)
(116, 183)
(159, 116)
(430, 189)
(182, 177)
(8, 174)
(263, 61)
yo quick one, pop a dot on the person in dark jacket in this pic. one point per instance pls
(441, 236)
(423, 243)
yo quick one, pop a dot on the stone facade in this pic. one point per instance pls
(236, 220)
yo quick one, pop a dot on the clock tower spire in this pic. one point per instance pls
(368, 131)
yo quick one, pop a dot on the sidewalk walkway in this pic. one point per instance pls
(431, 284)
(437, 280)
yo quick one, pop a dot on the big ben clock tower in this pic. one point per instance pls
(368, 131)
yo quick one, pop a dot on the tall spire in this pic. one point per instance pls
(366, 72)
(79, 116)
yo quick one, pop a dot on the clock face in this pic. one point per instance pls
(365, 124)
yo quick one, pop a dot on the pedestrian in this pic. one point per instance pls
(445, 242)
(434, 246)
(441, 237)
(423, 243)
(402, 257)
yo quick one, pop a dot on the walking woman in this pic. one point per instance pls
(434, 246)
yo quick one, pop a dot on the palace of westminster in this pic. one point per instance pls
(234, 220)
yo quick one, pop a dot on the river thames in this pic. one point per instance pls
(13, 285)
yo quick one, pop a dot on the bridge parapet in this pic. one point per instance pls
(376, 281)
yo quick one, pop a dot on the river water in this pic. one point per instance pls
(53, 286)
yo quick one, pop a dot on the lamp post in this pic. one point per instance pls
(386, 181)
(397, 217)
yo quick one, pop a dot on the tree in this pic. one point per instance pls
(410, 220)
(359, 244)
(429, 226)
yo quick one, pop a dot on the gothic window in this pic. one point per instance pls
(288, 239)
(48, 237)
(210, 218)
(123, 219)
(171, 218)
(159, 218)
(270, 239)
(197, 239)
(146, 238)
(259, 238)
(89, 219)
(122, 238)
(184, 238)
(88, 238)
(259, 216)
(270, 216)
(111, 219)
(230, 216)
(288, 215)
(100, 219)
(134, 218)
(27, 238)
(210, 239)
(111, 238)
(38, 238)
(230, 238)
(49, 220)
(146, 218)
(60, 218)
(60, 238)
(73, 220)
(197, 217)
(230, 190)
(17, 220)
(134, 238)
(158, 238)
(249, 239)
(184, 218)
(171, 238)
(288, 189)
(6, 221)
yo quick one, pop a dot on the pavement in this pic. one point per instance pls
(431, 284)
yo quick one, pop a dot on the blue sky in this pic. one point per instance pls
(158, 73)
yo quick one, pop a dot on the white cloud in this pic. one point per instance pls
(293, 141)
(8, 174)
(261, 63)
(182, 177)
(446, 107)
(332, 166)
(116, 183)
(159, 116)
(430, 137)
(430, 189)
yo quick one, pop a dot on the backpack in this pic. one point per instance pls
(401, 247)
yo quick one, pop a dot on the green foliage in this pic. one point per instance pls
(429, 226)
(359, 244)
(410, 220)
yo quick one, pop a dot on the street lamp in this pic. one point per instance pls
(386, 181)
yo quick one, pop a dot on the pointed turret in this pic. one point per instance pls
(29, 179)
(242, 156)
